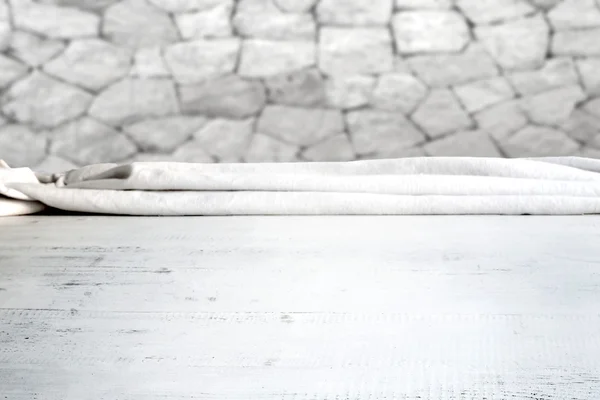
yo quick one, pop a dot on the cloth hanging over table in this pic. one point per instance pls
(406, 186)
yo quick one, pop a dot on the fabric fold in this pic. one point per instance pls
(407, 186)
(12, 201)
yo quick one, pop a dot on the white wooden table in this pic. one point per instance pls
(299, 308)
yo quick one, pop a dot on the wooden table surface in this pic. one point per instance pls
(301, 308)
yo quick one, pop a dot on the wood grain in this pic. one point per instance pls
(300, 308)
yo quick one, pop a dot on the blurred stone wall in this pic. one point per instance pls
(87, 81)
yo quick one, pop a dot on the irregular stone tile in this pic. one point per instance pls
(349, 91)
(354, 12)
(501, 120)
(53, 21)
(53, 165)
(398, 92)
(5, 26)
(90, 5)
(589, 70)
(300, 126)
(295, 6)
(21, 147)
(131, 100)
(463, 144)
(301, 88)
(441, 113)
(192, 152)
(5, 35)
(538, 141)
(213, 22)
(197, 61)
(593, 107)
(374, 131)
(595, 142)
(555, 73)
(148, 62)
(163, 134)
(589, 152)
(430, 31)
(575, 14)
(336, 148)
(487, 11)
(354, 51)
(264, 148)
(90, 63)
(226, 139)
(401, 66)
(441, 70)
(181, 6)
(10, 71)
(87, 141)
(262, 58)
(424, 4)
(149, 157)
(582, 126)
(264, 20)
(554, 106)
(476, 96)
(578, 43)
(228, 97)
(44, 102)
(400, 152)
(518, 44)
(545, 4)
(135, 24)
(4, 10)
(33, 50)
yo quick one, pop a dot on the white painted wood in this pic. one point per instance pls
(300, 308)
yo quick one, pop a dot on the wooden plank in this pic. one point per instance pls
(300, 307)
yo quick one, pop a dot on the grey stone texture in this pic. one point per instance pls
(202, 59)
(85, 81)
(90, 63)
(131, 99)
(336, 148)
(149, 134)
(304, 88)
(54, 21)
(430, 31)
(484, 12)
(32, 49)
(374, 131)
(441, 113)
(229, 96)
(226, 139)
(300, 126)
(42, 101)
(212, 22)
(358, 50)
(464, 144)
(137, 23)
(261, 58)
(519, 44)
(21, 146)
(89, 141)
(534, 141)
(263, 19)
(356, 12)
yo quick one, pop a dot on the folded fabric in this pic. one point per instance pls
(421, 185)
(13, 202)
